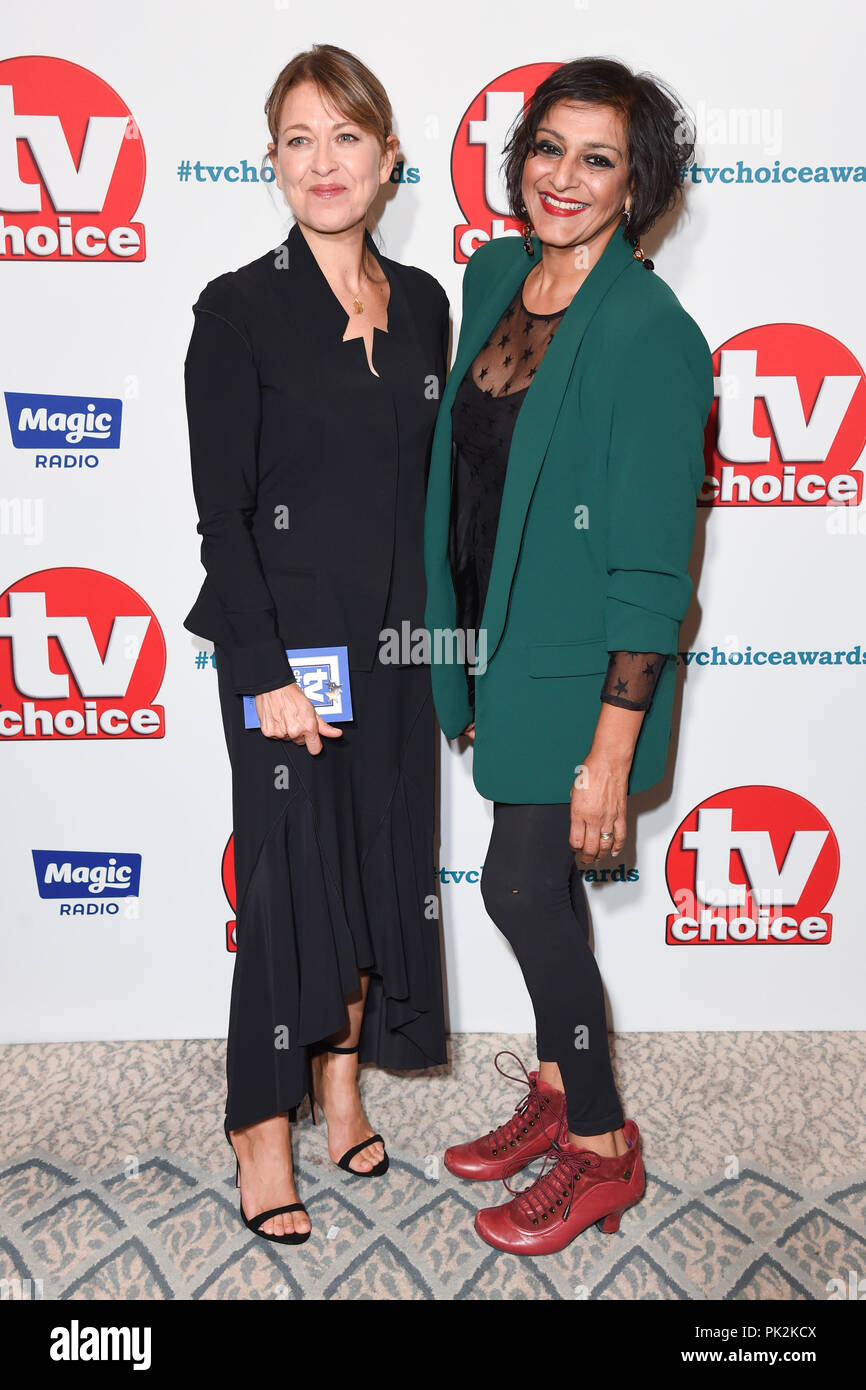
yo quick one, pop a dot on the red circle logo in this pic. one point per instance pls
(754, 864)
(476, 156)
(81, 656)
(72, 165)
(227, 869)
(788, 422)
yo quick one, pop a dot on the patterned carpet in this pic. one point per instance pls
(116, 1181)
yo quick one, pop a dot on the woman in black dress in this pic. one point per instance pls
(312, 383)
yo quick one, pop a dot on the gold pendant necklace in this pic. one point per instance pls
(358, 304)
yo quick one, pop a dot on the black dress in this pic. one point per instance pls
(334, 853)
(483, 416)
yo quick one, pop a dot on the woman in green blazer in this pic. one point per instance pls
(566, 463)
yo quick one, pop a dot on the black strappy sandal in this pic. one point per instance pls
(292, 1237)
(344, 1162)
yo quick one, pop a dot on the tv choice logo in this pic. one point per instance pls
(227, 870)
(789, 420)
(82, 656)
(72, 166)
(97, 880)
(46, 423)
(752, 865)
(476, 157)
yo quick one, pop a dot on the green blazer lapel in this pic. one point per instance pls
(494, 294)
(492, 303)
(537, 416)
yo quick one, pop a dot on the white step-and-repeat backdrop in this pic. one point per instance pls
(131, 142)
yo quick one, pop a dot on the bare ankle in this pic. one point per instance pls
(602, 1144)
(549, 1073)
(271, 1130)
(621, 1142)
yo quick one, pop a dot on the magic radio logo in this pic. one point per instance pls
(477, 157)
(51, 424)
(72, 165)
(90, 881)
(788, 423)
(82, 656)
(752, 866)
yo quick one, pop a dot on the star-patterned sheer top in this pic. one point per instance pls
(482, 419)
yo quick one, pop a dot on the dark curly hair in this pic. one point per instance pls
(661, 134)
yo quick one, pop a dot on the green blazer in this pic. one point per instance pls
(596, 525)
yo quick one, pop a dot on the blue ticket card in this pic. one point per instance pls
(323, 675)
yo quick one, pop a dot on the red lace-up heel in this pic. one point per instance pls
(582, 1187)
(539, 1119)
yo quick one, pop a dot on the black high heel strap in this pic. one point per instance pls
(264, 1216)
(290, 1237)
(350, 1154)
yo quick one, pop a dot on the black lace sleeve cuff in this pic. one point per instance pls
(631, 679)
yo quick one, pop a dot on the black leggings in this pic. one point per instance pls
(532, 889)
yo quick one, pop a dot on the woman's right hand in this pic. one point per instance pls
(469, 732)
(287, 713)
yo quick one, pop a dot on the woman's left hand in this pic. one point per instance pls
(598, 803)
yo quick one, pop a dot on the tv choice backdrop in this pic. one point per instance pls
(120, 197)
(109, 658)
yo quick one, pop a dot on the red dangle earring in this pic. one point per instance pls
(635, 241)
(639, 255)
(527, 239)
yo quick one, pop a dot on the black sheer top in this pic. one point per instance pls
(482, 419)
